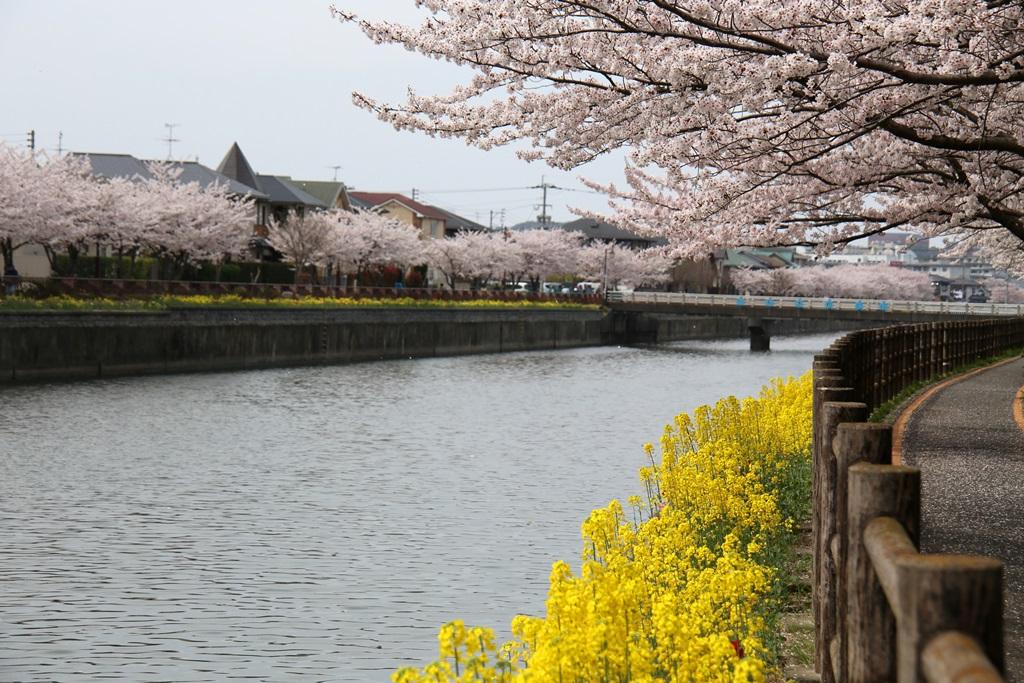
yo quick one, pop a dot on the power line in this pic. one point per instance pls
(569, 189)
(484, 189)
(507, 189)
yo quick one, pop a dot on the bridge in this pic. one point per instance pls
(639, 313)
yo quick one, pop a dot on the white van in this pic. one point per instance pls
(587, 287)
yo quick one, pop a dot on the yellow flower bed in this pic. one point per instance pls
(67, 303)
(683, 588)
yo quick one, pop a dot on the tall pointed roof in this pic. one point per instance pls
(234, 165)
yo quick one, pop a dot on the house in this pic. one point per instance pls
(963, 289)
(687, 275)
(333, 194)
(595, 231)
(754, 258)
(105, 165)
(279, 195)
(455, 223)
(274, 196)
(536, 225)
(429, 220)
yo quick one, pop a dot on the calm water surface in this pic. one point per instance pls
(318, 524)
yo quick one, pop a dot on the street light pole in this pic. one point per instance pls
(604, 272)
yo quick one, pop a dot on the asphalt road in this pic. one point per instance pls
(971, 455)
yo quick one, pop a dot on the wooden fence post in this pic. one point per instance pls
(874, 491)
(948, 593)
(833, 412)
(854, 442)
(827, 386)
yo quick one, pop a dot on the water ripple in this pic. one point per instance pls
(318, 524)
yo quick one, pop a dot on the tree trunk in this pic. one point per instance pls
(7, 247)
(51, 257)
(73, 254)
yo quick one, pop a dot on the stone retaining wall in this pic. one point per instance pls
(79, 345)
(49, 345)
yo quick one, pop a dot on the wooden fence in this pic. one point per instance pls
(882, 610)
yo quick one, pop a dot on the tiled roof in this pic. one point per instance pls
(600, 230)
(235, 165)
(535, 225)
(277, 189)
(127, 166)
(375, 199)
(759, 259)
(329, 192)
(281, 191)
(456, 222)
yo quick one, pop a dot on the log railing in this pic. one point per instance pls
(882, 610)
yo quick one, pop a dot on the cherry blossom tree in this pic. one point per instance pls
(614, 265)
(546, 253)
(363, 239)
(185, 222)
(765, 122)
(453, 257)
(855, 282)
(31, 206)
(1003, 290)
(473, 256)
(94, 211)
(305, 239)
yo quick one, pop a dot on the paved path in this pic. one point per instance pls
(971, 454)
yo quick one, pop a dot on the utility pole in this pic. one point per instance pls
(60, 142)
(544, 186)
(415, 194)
(490, 223)
(32, 140)
(170, 139)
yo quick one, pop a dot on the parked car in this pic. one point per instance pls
(584, 288)
(555, 288)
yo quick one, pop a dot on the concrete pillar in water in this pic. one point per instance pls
(760, 335)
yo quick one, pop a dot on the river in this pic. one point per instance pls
(319, 524)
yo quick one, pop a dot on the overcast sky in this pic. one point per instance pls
(274, 75)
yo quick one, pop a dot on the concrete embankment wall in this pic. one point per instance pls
(79, 345)
(41, 346)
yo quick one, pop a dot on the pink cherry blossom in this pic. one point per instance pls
(764, 122)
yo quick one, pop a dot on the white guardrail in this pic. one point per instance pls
(819, 304)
